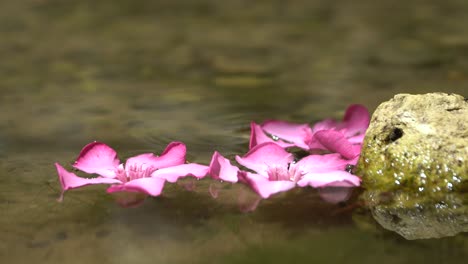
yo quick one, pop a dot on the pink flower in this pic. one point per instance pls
(221, 169)
(276, 171)
(343, 137)
(282, 133)
(143, 174)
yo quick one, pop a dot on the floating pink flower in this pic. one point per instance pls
(143, 174)
(283, 133)
(276, 171)
(343, 137)
(221, 169)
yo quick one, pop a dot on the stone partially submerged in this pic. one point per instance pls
(414, 163)
(417, 143)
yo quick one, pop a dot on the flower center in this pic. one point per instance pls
(284, 174)
(133, 172)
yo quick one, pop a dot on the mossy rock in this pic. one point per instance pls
(417, 143)
(414, 165)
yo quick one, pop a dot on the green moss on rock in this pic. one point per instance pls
(414, 165)
(417, 143)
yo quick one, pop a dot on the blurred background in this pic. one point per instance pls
(74, 71)
(139, 74)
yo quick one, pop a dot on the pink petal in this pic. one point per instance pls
(172, 174)
(356, 120)
(321, 163)
(152, 186)
(297, 134)
(335, 195)
(97, 157)
(354, 160)
(174, 154)
(142, 162)
(258, 136)
(336, 142)
(326, 124)
(358, 139)
(356, 149)
(69, 180)
(314, 144)
(221, 168)
(264, 156)
(264, 187)
(332, 178)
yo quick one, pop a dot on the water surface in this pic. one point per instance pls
(139, 75)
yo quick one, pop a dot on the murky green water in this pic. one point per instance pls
(138, 75)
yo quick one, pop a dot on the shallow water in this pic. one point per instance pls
(138, 76)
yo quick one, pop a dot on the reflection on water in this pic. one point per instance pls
(420, 217)
(138, 75)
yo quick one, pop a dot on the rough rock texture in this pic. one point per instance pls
(414, 165)
(417, 143)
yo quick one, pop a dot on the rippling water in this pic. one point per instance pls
(139, 75)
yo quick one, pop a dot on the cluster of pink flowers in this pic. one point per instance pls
(268, 167)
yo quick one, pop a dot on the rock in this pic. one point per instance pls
(414, 165)
(416, 216)
(417, 143)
